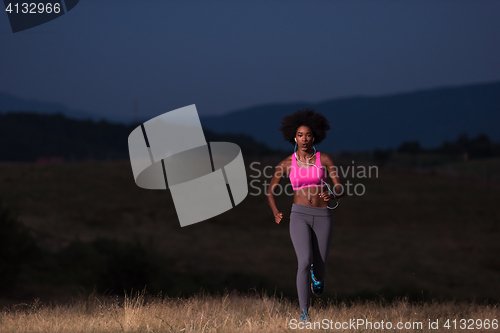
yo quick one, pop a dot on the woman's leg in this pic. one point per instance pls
(322, 232)
(300, 233)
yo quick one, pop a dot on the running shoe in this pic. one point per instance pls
(316, 286)
(304, 316)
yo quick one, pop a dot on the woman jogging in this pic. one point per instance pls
(311, 222)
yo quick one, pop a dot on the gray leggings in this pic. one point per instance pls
(311, 230)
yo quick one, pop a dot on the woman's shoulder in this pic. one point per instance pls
(325, 158)
(284, 166)
(286, 162)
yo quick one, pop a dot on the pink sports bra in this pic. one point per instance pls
(307, 177)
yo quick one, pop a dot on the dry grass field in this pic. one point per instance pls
(244, 313)
(425, 236)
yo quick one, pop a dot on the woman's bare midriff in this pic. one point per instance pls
(305, 195)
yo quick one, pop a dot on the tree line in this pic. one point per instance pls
(33, 137)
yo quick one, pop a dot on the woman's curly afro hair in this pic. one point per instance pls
(306, 117)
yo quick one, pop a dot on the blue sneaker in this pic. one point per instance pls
(304, 316)
(316, 286)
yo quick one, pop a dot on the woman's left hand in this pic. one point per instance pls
(327, 196)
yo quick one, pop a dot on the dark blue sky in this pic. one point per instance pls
(226, 55)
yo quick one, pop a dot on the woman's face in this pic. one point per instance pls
(304, 137)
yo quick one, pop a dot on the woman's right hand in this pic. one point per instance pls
(278, 216)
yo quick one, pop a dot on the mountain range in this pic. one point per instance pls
(365, 123)
(53, 138)
(9, 102)
(357, 123)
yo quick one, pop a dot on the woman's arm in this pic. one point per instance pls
(338, 188)
(278, 174)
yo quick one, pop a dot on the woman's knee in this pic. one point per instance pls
(304, 264)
